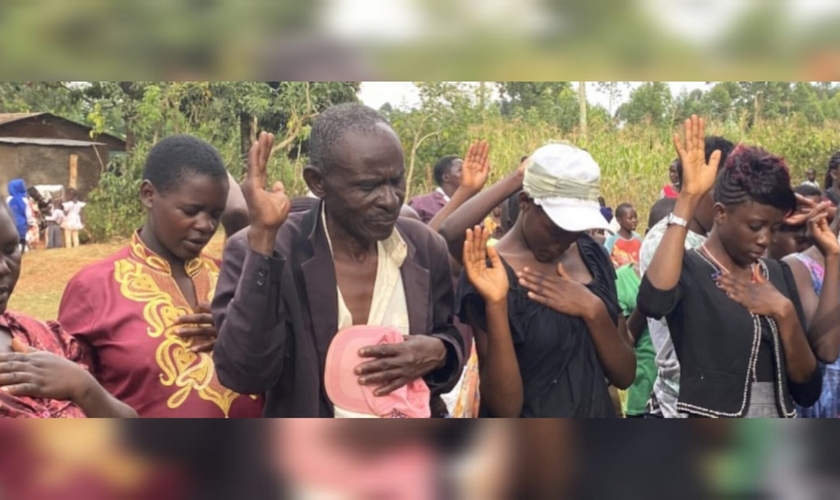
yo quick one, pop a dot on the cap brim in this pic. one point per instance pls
(575, 219)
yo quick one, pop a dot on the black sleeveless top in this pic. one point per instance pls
(561, 373)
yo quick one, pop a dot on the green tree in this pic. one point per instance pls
(615, 92)
(650, 103)
(555, 102)
(690, 103)
(33, 97)
(719, 101)
(527, 95)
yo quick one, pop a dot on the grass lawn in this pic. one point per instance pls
(45, 273)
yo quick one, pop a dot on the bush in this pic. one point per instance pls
(634, 161)
(114, 210)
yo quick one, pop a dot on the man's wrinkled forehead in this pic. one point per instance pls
(358, 151)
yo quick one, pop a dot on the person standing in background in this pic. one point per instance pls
(811, 178)
(672, 189)
(21, 211)
(54, 220)
(73, 219)
(624, 245)
(33, 234)
(40, 209)
(448, 178)
(831, 191)
(628, 280)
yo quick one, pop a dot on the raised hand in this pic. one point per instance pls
(804, 207)
(476, 167)
(559, 292)
(490, 282)
(267, 209)
(698, 177)
(824, 237)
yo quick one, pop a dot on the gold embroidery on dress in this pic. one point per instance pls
(181, 368)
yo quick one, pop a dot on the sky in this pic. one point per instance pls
(405, 94)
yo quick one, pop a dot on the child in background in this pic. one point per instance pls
(624, 245)
(33, 235)
(72, 219)
(672, 189)
(627, 282)
(634, 400)
(54, 220)
(811, 179)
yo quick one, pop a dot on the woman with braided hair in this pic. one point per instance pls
(736, 319)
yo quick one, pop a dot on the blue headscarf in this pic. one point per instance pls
(17, 190)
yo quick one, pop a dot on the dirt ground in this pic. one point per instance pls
(45, 273)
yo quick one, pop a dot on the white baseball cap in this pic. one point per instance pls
(565, 181)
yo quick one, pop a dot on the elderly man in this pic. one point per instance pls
(289, 283)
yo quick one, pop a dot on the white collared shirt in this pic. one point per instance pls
(388, 306)
(442, 193)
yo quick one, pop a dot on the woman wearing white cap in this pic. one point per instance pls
(545, 311)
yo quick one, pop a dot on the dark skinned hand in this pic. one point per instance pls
(41, 374)
(199, 329)
(395, 365)
(268, 209)
(759, 297)
(559, 292)
(476, 167)
(491, 282)
(820, 231)
(698, 176)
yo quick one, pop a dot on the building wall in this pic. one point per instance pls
(48, 165)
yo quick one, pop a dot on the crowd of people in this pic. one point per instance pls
(526, 298)
(45, 219)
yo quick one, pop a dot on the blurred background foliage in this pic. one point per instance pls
(422, 39)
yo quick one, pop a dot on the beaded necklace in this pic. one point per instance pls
(755, 267)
